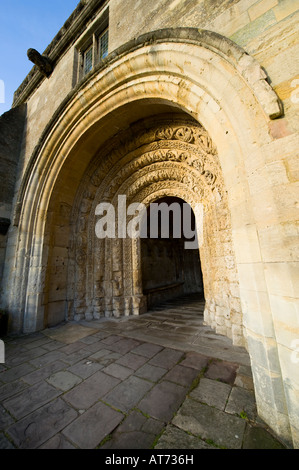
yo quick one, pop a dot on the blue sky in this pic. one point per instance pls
(26, 24)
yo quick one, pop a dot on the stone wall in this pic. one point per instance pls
(12, 127)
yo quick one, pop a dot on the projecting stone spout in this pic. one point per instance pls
(42, 62)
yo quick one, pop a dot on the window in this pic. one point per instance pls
(92, 47)
(103, 45)
(88, 60)
(93, 53)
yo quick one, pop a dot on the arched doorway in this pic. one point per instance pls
(202, 75)
(165, 156)
(170, 268)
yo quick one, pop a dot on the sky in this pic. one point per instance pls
(26, 24)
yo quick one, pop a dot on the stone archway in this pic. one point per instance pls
(164, 156)
(213, 80)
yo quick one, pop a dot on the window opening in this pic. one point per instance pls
(103, 44)
(88, 60)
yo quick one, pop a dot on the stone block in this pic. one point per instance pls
(292, 394)
(208, 423)
(211, 392)
(11, 389)
(48, 358)
(147, 350)
(163, 400)
(284, 9)
(64, 380)
(128, 393)
(279, 129)
(149, 372)
(102, 353)
(239, 340)
(222, 371)
(279, 242)
(123, 346)
(69, 333)
(181, 375)
(266, 353)
(252, 277)
(30, 399)
(5, 443)
(242, 403)
(118, 371)
(257, 315)
(134, 361)
(174, 438)
(98, 422)
(57, 442)
(260, 8)
(282, 278)
(221, 330)
(15, 373)
(133, 440)
(237, 330)
(41, 425)
(195, 360)
(85, 368)
(5, 418)
(289, 359)
(229, 23)
(166, 358)
(258, 438)
(246, 244)
(135, 432)
(254, 28)
(43, 373)
(292, 167)
(243, 380)
(266, 388)
(87, 393)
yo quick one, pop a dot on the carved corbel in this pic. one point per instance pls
(42, 62)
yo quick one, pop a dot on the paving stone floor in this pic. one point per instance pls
(159, 381)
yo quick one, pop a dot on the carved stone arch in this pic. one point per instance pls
(171, 157)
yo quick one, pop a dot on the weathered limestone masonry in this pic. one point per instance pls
(196, 99)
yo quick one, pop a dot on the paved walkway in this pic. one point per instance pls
(159, 381)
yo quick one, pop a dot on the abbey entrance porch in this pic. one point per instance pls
(175, 115)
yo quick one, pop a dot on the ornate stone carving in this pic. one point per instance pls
(81, 257)
(171, 158)
(185, 134)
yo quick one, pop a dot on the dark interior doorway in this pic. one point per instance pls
(169, 270)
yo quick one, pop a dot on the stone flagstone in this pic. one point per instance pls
(69, 333)
(41, 425)
(64, 380)
(212, 393)
(31, 399)
(174, 438)
(128, 393)
(163, 400)
(93, 426)
(209, 423)
(91, 390)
